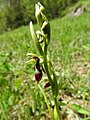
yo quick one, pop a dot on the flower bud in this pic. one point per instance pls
(39, 8)
(46, 31)
(40, 36)
(47, 84)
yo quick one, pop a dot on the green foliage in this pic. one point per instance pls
(19, 12)
(3, 19)
(15, 14)
(28, 10)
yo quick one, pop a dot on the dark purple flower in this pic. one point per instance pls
(38, 70)
(47, 84)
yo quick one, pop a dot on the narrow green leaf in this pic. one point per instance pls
(87, 46)
(80, 109)
(87, 118)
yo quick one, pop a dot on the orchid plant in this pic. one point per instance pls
(43, 64)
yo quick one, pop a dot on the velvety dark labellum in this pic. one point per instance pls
(38, 76)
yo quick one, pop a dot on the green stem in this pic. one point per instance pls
(54, 78)
(52, 86)
(59, 116)
(47, 72)
(47, 103)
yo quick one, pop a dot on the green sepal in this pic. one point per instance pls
(31, 55)
(32, 61)
(34, 37)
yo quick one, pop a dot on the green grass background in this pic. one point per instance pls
(69, 50)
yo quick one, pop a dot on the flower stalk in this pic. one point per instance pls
(41, 39)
